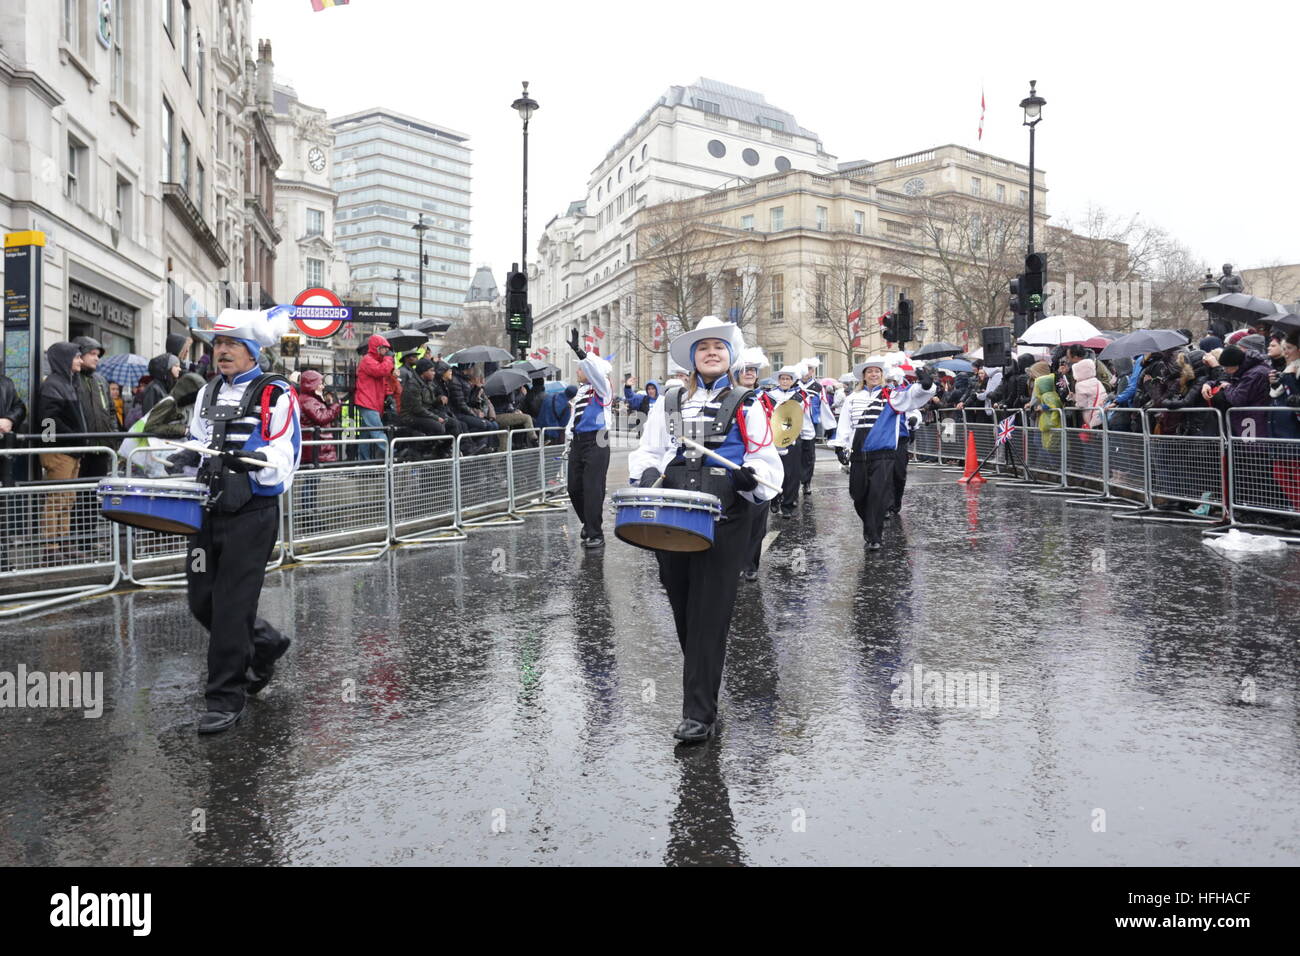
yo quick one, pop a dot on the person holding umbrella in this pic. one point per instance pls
(587, 439)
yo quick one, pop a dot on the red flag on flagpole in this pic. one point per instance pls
(855, 327)
(981, 136)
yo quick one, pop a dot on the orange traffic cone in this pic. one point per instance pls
(972, 475)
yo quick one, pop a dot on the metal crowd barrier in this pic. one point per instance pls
(1263, 471)
(51, 533)
(345, 513)
(424, 491)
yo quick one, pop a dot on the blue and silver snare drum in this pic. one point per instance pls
(666, 519)
(173, 505)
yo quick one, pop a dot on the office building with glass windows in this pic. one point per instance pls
(389, 170)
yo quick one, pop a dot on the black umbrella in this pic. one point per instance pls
(506, 380)
(534, 368)
(1241, 307)
(937, 350)
(404, 340)
(1142, 342)
(473, 354)
(431, 326)
(1283, 323)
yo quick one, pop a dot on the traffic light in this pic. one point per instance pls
(903, 322)
(516, 292)
(1032, 285)
(1019, 304)
(891, 327)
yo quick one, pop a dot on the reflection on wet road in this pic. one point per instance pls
(511, 700)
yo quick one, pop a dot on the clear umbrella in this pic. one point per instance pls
(1056, 329)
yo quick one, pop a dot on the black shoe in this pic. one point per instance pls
(693, 732)
(583, 534)
(749, 575)
(873, 545)
(776, 506)
(596, 542)
(259, 675)
(787, 512)
(215, 721)
(807, 490)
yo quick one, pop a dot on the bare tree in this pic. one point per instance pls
(1275, 280)
(688, 267)
(963, 252)
(839, 286)
(476, 327)
(1176, 277)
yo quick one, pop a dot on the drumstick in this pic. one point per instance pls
(210, 452)
(725, 461)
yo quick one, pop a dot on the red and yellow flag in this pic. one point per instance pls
(319, 5)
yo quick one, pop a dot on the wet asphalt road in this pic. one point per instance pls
(511, 700)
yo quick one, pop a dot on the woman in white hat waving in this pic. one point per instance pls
(702, 585)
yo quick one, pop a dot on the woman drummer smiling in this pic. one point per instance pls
(701, 585)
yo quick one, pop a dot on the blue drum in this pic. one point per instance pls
(666, 519)
(172, 505)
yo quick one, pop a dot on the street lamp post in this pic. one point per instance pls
(420, 228)
(399, 280)
(526, 106)
(1209, 287)
(1033, 107)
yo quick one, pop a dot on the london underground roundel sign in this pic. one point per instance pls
(318, 313)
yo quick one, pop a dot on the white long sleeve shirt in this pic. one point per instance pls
(658, 448)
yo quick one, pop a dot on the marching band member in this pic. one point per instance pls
(789, 387)
(747, 369)
(244, 414)
(818, 409)
(702, 585)
(587, 437)
(897, 376)
(868, 436)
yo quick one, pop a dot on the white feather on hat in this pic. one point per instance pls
(751, 357)
(263, 327)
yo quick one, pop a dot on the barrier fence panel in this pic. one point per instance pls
(1126, 453)
(983, 424)
(484, 484)
(424, 490)
(529, 476)
(1264, 471)
(1084, 450)
(1186, 459)
(1045, 452)
(925, 444)
(952, 436)
(341, 512)
(52, 533)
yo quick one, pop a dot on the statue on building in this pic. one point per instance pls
(1229, 282)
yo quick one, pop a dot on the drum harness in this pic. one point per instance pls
(230, 490)
(711, 431)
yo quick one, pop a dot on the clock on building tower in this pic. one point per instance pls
(316, 158)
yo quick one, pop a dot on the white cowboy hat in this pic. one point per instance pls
(792, 370)
(710, 327)
(751, 357)
(876, 361)
(603, 365)
(255, 328)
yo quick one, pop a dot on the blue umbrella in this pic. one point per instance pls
(126, 369)
(954, 365)
(555, 387)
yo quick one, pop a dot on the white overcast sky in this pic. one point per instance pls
(1184, 113)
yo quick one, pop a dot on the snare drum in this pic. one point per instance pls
(172, 505)
(666, 519)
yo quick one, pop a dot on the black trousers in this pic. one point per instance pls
(871, 485)
(791, 466)
(224, 571)
(701, 588)
(808, 451)
(588, 464)
(900, 474)
(758, 531)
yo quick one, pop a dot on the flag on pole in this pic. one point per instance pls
(1005, 428)
(657, 331)
(855, 327)
(981, 136)
(319, 5)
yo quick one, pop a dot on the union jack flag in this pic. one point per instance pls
(1005, 428)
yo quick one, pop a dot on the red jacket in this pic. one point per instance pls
(314, 414)
(371, 375)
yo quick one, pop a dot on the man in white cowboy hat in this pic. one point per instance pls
(252, 420)
(587, 436)
(789, 388)
(819, 407)
(702, 585)
(748, 368)
(867, 437)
